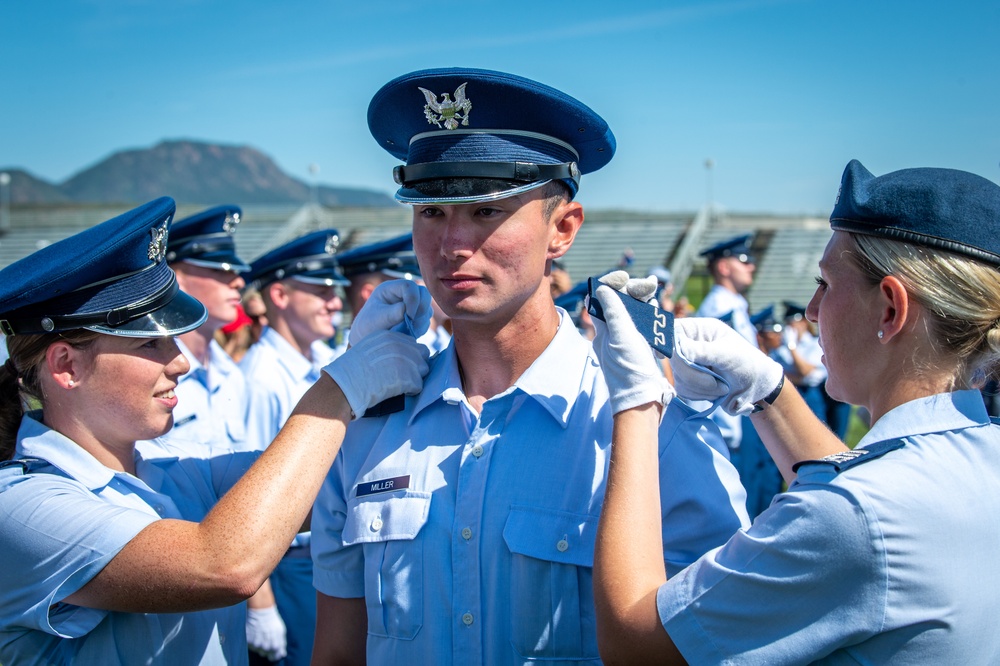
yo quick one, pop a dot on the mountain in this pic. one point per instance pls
(190, 172)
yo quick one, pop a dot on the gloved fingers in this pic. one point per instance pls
(376, 316)
(417, 301)
(615, 279)
(266, 633)
(643, 289)
(693, 380)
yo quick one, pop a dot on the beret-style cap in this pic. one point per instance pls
(471, 135)
(946, 209)
(111, 278)
(206, 239)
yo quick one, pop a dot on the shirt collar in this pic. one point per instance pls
(295, 363)
(37, 440)
(936, 413)
(553, 380)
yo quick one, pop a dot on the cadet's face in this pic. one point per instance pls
(484, 261)
(129, 386)
(310, 308)
(845, 307)
(218, 290)
(741, 273)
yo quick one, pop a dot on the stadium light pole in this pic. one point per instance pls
(4, 201)
(709, 165)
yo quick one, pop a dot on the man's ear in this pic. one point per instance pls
(896, 307)
(278, 294)
(567, 219)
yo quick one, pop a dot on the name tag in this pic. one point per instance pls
(185, 420)
(382, 486)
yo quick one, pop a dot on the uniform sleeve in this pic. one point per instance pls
(338, 570)
(56, 537)
(263, 417)
(702, 501)
(807, 578)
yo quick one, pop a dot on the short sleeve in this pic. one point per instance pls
(338, 570)
(56, 537)
(807, 578)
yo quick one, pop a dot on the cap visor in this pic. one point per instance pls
(462, 190)
(182, 314)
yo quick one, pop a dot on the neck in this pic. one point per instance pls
(197, 342)
(119, 457)
(282, 328)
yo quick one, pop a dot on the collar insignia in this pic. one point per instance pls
(232, 221)
(158, 245)
(447, 111)
(332, 243)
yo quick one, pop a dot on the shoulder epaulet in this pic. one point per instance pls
(995, 420)
(388, 406)
(848, 459)
(26, 464)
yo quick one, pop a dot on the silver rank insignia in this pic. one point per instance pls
(447, 111)
(332, 243)
(158, 246)
(232, 221)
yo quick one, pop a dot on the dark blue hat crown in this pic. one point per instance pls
(393, 257)
(309, 258)
(732, 247)
(111, 278)
(206, 239)
(764, 320)
(793, 311)
(470, 135)
(940, 208)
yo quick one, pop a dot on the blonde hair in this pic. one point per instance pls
(961, 296)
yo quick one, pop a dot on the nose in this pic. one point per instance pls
(456, 239)
(812, 310)
(238, 282)
(178, 363)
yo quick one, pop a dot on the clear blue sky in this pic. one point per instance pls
(779, 93)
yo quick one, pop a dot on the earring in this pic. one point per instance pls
(71, 384)
(880, 334)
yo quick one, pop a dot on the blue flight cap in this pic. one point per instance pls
(945, 209)
(111, 278)
(473, 135)
(793, 311)
(310, 258)
(393, 257)
(765, 322)
(206, 239)
(738, 247)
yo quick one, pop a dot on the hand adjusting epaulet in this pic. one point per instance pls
(848, 459)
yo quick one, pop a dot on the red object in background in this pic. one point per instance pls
(241, 320)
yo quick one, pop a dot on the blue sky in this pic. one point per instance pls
(780, 94)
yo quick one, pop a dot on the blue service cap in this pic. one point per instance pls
(572, 300)
(793, 311)
(393, 257)
(940, 208)
(310, 258)
(738, 247)
(206, 239)
(764, 321)
(111, 278)
(519, 135)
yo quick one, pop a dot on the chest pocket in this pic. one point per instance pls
(386, 526)
(551, 584)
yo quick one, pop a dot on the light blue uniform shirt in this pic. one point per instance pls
(65, 520)
(891, 561)
(212, 407)
(472, 536)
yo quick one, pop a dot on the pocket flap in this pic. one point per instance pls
(554, 536)
(386, 517)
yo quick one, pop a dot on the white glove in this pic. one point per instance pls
(382, 365)
(266, 633)
(745, 375)
(630, 366)
(395, 305)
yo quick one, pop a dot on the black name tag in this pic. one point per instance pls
(382, 486)
(655, 325)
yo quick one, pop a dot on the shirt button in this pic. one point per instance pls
(466, 533)
(159, 509)
(562, 546)
(377, 524)
(477, 450)
(222, 639)
(467, 619)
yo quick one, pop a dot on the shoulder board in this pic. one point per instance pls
(848, 459)
(388, 406)
(26, 465)
(995, 420)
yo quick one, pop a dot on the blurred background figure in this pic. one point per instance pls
(802, 358)
(559, 279)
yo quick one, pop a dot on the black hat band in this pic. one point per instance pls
(526, 172)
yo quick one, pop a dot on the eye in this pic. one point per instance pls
(488, 211)
(429, 211)
(152, 343)
(821, 283)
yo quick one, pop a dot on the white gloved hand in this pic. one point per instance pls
(266, 633)
(382, 365)
(702, 341)
(630, 366)
(395, 305)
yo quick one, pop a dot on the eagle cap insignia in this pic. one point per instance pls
(447, 111)
(332, 243)
(232, 221)
(158, 245)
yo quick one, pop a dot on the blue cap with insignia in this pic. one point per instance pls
(738, 247)
(765, 322)
(793, 311)
(206, 239)
(393, 257)
(310, 258)
(940, 208)
(111, 278)
(473, 135)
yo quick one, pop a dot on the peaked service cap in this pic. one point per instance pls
(393, 257)
(206, 239)
(111, 278)
(472, 135)
(738, 246)
(764, 321)
(309, 258)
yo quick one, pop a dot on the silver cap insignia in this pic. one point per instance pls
(232, 221)
(158, 246)
(332, 243)
(447, 111)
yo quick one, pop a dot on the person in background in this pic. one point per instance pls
(301, 286)
(460, 528)
(111, 558)
(560, 281)
(866, 558)
(802, 358)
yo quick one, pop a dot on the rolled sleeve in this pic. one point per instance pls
(338, 570)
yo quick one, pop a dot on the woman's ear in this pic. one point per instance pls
(63, 364)
(896, 308)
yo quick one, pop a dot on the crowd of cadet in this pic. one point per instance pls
(191, 473)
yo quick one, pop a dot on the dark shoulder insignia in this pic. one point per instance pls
(848, 459)
(388, 406)
(27, 465)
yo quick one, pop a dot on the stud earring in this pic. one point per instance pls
(880, 334)
(71, 384)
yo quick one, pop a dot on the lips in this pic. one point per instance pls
(460, 282)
